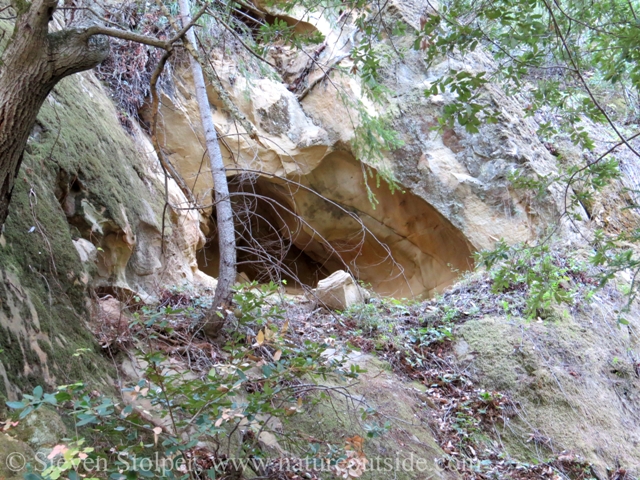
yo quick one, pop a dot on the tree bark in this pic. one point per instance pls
(33, 62)
(214, 319)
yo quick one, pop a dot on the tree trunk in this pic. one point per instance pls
(214, 319)
(33, 62)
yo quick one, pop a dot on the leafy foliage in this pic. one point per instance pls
(565, 60)
(229, 413)
(467, 108)
(545, 275)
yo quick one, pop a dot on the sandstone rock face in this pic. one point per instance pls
(453, 196)
(86, 250)
(88, 210)
(86, 216)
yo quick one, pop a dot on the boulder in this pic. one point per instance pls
(14, 454)
(340, 291)
(42, 428)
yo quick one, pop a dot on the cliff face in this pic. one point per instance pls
(452, 196)
(93, 216)
(86, 216)
(89, 214)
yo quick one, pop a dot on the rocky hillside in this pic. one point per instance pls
(87, 221)
(452, 197)
(97, 230)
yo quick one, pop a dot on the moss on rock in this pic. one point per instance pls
(12, 453)
(42, 428)
(564, 386)
(76, 148)
(403, 449)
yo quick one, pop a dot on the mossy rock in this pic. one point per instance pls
(567, 392)
(14, 454)
(406, 449)
(77, 143)
(42, 428)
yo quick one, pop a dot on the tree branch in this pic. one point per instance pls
(145, 39)
(584, 82)
(125, 35)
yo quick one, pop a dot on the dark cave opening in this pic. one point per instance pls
(264, 236)
(304, 229)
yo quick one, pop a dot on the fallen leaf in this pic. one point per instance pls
(269, 334)
(57, 450)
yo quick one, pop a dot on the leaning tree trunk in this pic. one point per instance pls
(31, 65)
(226, 232)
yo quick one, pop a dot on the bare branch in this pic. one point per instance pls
(145, 39)
(126, 35)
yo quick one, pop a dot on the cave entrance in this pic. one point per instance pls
(302, 232)
(265, 246)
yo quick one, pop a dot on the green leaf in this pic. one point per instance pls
(15, 405)
(63, 397)
(37, 392)
(25, 412)
(86, 419)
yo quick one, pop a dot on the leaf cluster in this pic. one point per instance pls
(543, 276)
(265, 376)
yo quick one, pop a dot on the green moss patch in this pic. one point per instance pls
(569, 392)
(12, 451)
(77, 152)
(403, 445)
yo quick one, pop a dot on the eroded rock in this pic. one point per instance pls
(86, 250)
(452, 198)
(339, 291)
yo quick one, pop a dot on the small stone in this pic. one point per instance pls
(340, 291)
